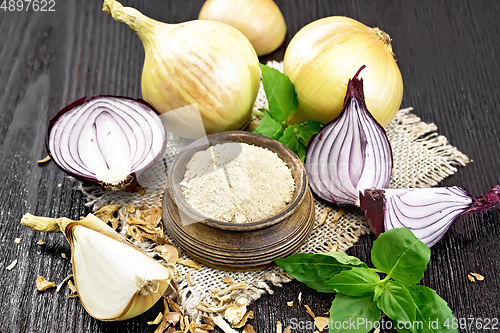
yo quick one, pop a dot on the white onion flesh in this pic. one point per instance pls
(106, 139)
(350, 154)
(110, 275)
(434, 209)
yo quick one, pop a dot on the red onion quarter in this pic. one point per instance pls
(106, 139)
(427, 212)
(351, 153)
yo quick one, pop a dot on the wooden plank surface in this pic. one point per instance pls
(448, 56)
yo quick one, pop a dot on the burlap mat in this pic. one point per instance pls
(422, 158)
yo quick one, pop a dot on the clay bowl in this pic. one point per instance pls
(178, 168)
(238, 246)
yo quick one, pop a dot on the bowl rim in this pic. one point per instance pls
(291, 159)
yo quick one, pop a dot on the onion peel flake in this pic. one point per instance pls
(42, 284)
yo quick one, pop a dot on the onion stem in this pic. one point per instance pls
(138, 22)
(44, 224)
(258, 113)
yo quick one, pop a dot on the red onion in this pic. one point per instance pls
(351, 153)
(427, 212)
(106, 139)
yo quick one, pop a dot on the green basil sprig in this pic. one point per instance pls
(362, 295)
(283, 102)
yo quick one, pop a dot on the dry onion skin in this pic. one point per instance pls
(322, 57)
(106, 140)
(261, 21)
(194, 69)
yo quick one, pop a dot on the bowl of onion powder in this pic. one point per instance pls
(242, 190)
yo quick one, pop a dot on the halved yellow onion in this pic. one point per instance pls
(114, 280)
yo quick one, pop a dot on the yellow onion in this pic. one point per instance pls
(322, 57)
(261, 21)
(114, 280)
(206, 64)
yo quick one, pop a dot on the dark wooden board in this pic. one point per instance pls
(448, 56)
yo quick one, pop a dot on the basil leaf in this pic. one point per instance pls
(355, 282)
(397, 303)
(280, 93)
(401, 255)
(353, 314)
(301, 152)
(314, 269)
(432, 311)
(269, 127)
(306, 130)
(289, 139)
(379, 288)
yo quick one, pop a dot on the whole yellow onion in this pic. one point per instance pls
(261, 21)
(322, 57)
(206, 64)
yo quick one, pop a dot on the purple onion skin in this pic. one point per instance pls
(486, 202)
(131, 179)
(374, 202)
(349, 154)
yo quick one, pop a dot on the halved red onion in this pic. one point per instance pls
(351, 153)
(427, 212)
(106, 139)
